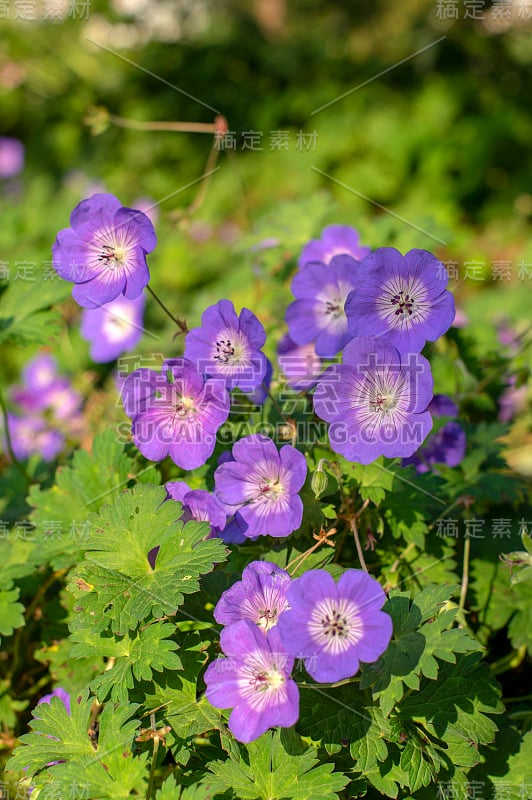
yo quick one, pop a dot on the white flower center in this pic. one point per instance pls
(335, 624)
(261, 678)
(112, 257)
(118, 324)
(185, 407)
(231, 349)
(403, 302)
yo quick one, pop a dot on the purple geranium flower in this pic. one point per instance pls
(104, 252)
(11, 157)
(317, 315)
(198, 504)
(262, 484)
(114, 328)
(447, 445)
(334, 626)
(175, 412)
(335, 240)
(229, 346)
(31, 435)
(402, 298)
(48, 410)
(299, 363)
(43, 389)
(254, 680)
(376, 401)
(260, 596)
(62, 694)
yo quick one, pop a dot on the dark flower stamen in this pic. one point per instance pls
(333, 308)
(224, 350)
(334, 625)
(404, 303)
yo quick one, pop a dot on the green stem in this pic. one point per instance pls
(524, 698)
(154, 758)
(358, 546)
(328, 685)
(465, 573)
(275, 404)
(180, 324)
(509, 661)
(176, 127)
(43, 588)
(9, 443)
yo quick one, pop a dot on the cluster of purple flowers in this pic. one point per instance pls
(49, 410)
(271, 620)
(178, 412)
(380, 309)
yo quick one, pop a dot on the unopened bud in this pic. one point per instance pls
(319, 481)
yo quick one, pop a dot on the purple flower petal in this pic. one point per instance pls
(104, 251)
(113, 328)
(227, 346)
(317, 315)
(334, 626)
(176, 412)
(402, 298)
(375, 401)
(260, 596)
(335, 240)
(254, 680)
(262, 486)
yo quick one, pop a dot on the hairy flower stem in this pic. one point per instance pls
(180, 323)
(358, 546)
(465, 573)
(218, 126)
(280, 411)
(354, 528)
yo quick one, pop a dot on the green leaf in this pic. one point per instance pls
(373, 481)
(11, 612)
(105, 769)
(16, 560)
(455, 708)
(269, 770)
(134, 657)
(9, 706)
(518, 779)
(345, 717)
(520, 627)
(169, 790)
(63, 514)
(420, 637)
(416, 764)
(116, 584)
(23, 319)
(175, 696)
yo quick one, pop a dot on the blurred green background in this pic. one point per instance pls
(432, 153)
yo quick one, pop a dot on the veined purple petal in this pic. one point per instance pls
(104, 251)
(333, 626)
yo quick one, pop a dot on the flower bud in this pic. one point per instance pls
(319, 481)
